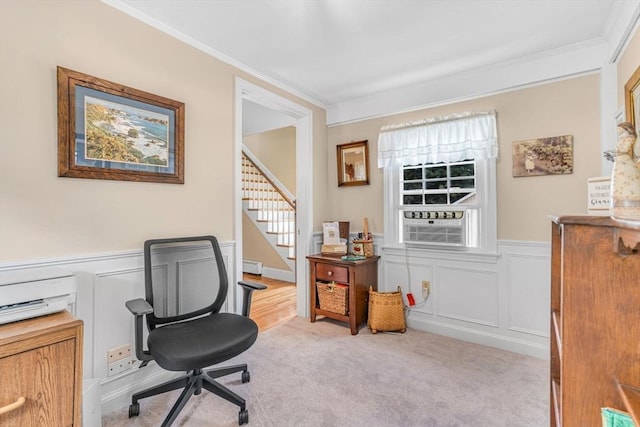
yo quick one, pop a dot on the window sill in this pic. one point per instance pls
(461, 254)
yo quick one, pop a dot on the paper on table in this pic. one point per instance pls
(330, 233)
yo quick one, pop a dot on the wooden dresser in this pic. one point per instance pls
(357, 275)
(41, 371)
(595, 319)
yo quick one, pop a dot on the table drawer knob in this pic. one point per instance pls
(15, 405)
(329, 273)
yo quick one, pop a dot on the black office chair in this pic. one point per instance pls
(185, 292)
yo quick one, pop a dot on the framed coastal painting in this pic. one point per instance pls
(632, 99)
(110, 131)
(353, 164)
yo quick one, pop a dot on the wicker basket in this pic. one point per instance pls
(333, 298)
(386, 311)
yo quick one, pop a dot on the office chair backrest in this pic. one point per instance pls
(184, 278)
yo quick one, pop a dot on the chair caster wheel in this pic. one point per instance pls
(134, 410)
(243, 417)
(246, 377)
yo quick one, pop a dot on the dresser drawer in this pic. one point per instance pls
(332, 272)
(45, 378)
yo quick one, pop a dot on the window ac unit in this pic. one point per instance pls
(426, 227)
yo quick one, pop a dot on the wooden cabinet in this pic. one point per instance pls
(357, 275)
(41, 371)
(595, 319)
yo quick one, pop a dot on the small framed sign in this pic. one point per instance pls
(599, 195)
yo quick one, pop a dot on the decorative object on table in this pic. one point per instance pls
(332, 244)
(386, 311)
(615, 418)
(110, 131)
(543, 156)
(632, 99)
(353, 164)
(363, 245)
(625, 177)
(352, 257)
(343, 227)
(333, 297)
(599, 195)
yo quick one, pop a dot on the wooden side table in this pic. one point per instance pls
(357, 275)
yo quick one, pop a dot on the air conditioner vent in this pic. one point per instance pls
(434, 228)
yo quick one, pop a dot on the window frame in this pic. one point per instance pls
(485, 202)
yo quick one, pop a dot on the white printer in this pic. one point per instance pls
(33, 292)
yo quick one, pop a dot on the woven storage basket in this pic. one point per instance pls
(386, 311)
(333, 298)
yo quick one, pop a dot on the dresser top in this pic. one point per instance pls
(598, 221)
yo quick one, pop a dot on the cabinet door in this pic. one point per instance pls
(45, 377)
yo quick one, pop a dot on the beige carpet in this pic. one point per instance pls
(317, 374)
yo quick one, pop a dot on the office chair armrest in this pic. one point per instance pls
(248, 288)
(139, 308)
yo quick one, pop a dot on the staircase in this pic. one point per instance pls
(270, 206)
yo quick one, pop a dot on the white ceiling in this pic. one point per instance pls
(338, 53)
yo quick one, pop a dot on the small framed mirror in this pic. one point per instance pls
(353, 164)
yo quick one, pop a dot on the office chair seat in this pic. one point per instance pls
(178, 347)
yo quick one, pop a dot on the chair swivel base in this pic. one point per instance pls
(193, 384)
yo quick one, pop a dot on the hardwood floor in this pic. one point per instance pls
(274, 305)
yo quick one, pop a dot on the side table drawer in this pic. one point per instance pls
(332, 272)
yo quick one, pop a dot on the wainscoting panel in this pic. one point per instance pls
(468, 295)
(528, 291)
(499, 300)
(396, 273)
(113, 322)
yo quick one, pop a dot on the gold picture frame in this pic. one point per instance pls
(110, 131)
(353, 164)
(632, 99)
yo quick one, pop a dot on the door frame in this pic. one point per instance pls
(245, 90)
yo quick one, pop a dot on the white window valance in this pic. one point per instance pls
(439, 139)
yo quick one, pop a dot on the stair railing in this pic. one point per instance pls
(266, 194)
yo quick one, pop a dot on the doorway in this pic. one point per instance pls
(302, 119)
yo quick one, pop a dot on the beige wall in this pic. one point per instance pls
(276, 150)
(627, 65)
(256, 248)
(569, 107)
(44, 216)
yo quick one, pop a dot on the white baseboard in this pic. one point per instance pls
(118, 398)
(528, 348)
(274, 273)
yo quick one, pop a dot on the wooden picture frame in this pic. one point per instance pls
(353, 164)
(632, 99)
(110, 131)
(543, 156)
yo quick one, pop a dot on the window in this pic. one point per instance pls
(438, 184)
(446, 199)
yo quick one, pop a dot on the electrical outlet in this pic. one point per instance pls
(120, 366)
(118, 353)
(426, 288)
